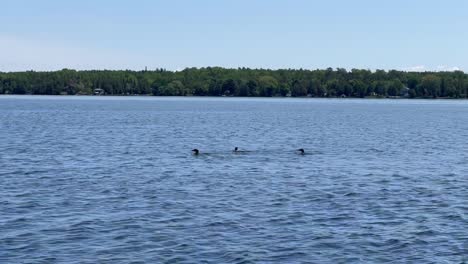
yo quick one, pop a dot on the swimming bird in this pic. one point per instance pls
(195, 151)
(301, 151)
(237, 150)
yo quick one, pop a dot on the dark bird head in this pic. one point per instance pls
(236, 149)
(301, 151)
(195, 151)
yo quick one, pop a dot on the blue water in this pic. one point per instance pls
(112, 180)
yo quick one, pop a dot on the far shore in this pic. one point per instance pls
(236, 97)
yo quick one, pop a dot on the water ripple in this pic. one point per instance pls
(86, 180)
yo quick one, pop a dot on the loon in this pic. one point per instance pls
(237, 150)
(195, 151)
(301, 151)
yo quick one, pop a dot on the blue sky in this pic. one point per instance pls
(370, 34)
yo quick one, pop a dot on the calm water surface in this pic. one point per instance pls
(112, 180)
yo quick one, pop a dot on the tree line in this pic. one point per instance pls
(217, 81)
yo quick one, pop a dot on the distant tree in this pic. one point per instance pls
(394, 87)
(252, 87)
(315, 88)
(155, 88)
(299, 88)
(215, 88)
(380, 88)
(430, 84)
(359, 88)
(200, 88)
(268, 86)
(229, 86)
(217, 81)
(243, 89)
(412, 82)
(173, 88)
(332, 87)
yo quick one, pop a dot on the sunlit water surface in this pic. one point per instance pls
(112, 180)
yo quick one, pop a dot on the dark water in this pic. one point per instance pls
(112, 180)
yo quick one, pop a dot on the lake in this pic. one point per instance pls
(113, 180)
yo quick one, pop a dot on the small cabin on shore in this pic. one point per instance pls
(404, 92)
(98, 91)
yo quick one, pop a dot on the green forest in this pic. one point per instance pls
(217, 81)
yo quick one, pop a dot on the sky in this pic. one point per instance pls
(410, 35)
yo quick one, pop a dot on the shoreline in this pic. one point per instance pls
(234, 97)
